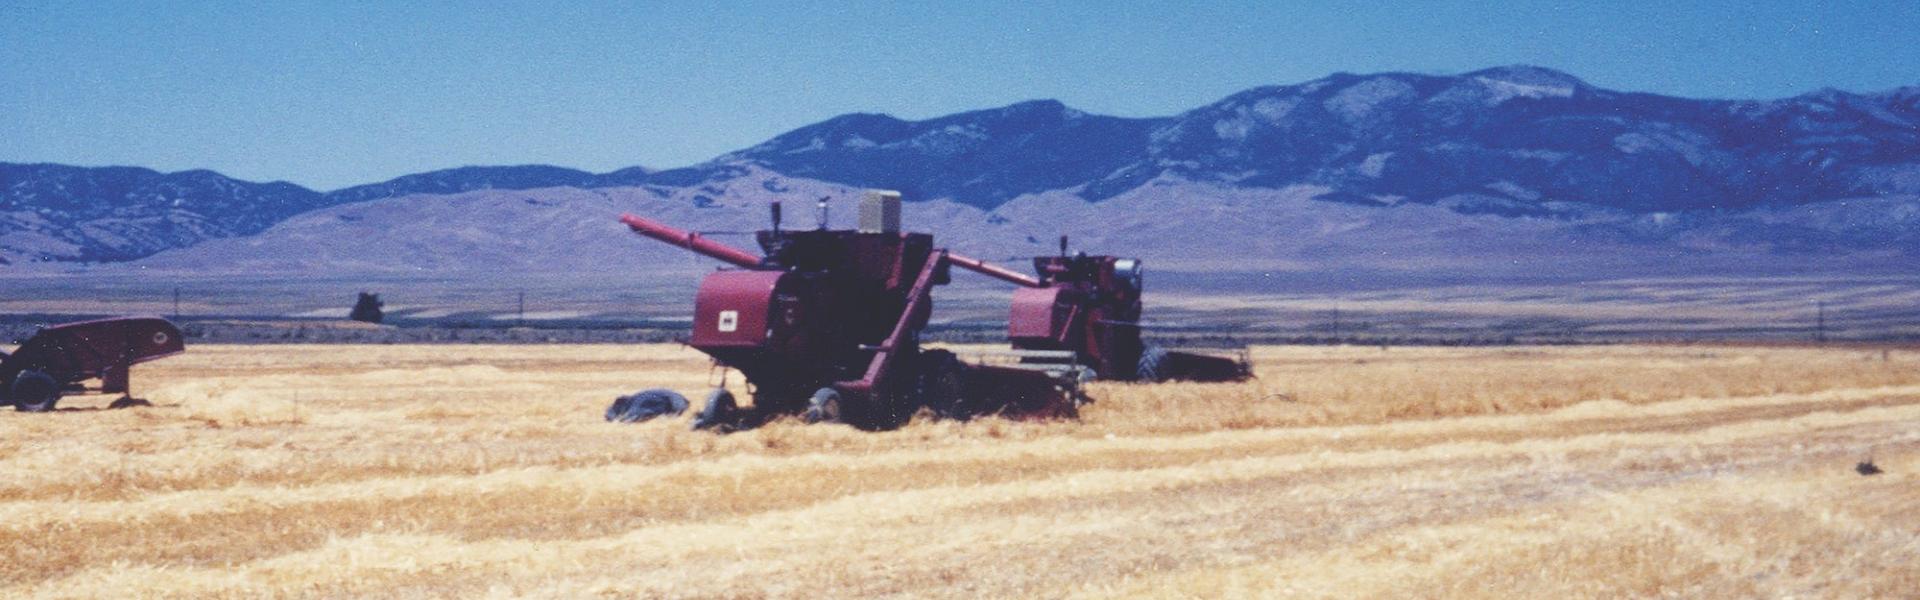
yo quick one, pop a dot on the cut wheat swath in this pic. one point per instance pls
(412, 471)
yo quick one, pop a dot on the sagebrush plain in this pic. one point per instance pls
(1342, 471)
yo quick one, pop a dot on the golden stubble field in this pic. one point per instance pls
(486, 471)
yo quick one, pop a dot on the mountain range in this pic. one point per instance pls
(1529, 159)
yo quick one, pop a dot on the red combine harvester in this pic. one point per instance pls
(827, 323)
(57, 360)
(1089, 307)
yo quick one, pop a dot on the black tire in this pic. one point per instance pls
(34, 391)
(719, 412)
(1153, 365)
(941, 385)
(824, 407)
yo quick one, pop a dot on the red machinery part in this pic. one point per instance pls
(1089, 307)
(691, 241)
(70, 353)
(87, 348)
(913, 317)
(1039, 315)
(733, 308)
(995, 271)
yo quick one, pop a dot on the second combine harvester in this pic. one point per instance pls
(1089, 308)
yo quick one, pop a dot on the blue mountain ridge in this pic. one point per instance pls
(1512, 141)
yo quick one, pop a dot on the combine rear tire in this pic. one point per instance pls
(824, 407)
(34, 391)
(1153, 365)
(719, 411)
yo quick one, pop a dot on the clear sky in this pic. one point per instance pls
(335, 93)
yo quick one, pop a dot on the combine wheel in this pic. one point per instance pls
(719, 411)
(1153, 365)
(824, 407)
(34, 391)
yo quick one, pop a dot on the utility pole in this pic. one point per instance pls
(1820, 323)
(521, 319)
(176, 303)
(1336, 322)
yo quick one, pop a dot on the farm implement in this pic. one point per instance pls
(58, 360)
(825, 324)
(1089, 308)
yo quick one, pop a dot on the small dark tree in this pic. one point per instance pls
(367, 309)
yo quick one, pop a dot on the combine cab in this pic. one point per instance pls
(58, 360)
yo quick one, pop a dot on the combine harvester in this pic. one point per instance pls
(1089, 308)
(826, 325)
(57, 360)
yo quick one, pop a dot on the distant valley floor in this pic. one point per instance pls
(1182, 307)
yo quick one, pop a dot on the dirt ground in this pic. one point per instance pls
(487, 471)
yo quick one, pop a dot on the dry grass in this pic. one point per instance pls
(442, 471)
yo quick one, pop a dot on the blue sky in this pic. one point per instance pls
(335, 93)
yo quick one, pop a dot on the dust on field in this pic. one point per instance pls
(456, 471)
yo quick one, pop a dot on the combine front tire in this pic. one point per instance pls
(34, 391)
(719, 411)
(1153, 364)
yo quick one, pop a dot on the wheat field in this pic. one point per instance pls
(486, 471)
